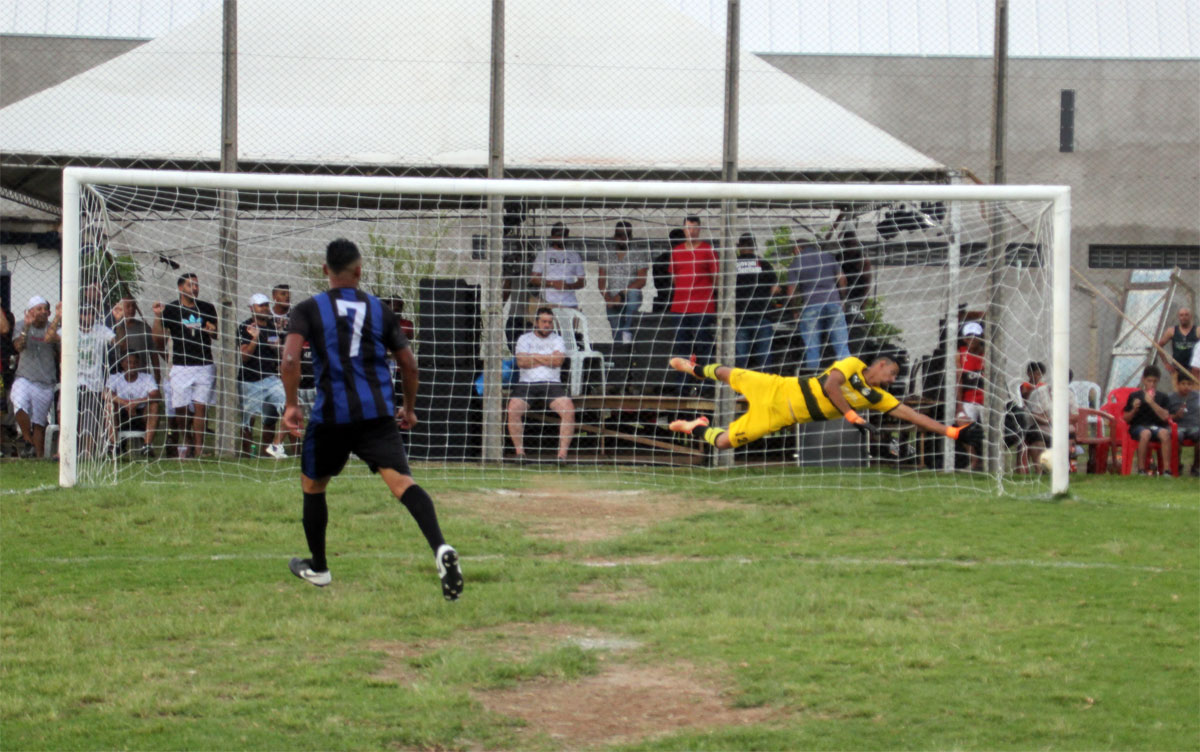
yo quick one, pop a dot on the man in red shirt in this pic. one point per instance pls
(693, 303)
(970, 385)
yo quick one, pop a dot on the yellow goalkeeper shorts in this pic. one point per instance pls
(773, 400)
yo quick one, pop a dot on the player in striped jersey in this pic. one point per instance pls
(780, 401)
(352, 336)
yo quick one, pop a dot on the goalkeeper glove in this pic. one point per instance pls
(954, 431)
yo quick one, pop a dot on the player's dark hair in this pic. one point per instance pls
(885, 359)
(543, 309)
(184, 278)
(1035, 365)
(693, 218)
(340, 255)
(1151, 372)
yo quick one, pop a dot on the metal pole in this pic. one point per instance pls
(493, 326)
(950, 382)
(226, 356)
(996, 380)
(1060, 343)
(727, 280)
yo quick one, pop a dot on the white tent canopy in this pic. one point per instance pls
(625, 84)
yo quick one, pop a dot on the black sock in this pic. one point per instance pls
(316, 516)
(420, 506)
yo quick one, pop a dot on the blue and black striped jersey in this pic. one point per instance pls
(352, 335)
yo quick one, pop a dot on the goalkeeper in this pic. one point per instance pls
(779, 401)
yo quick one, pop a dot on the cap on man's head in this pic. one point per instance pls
(36, 301)
(972, 329)
(259, 299)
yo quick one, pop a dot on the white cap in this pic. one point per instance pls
(972, 329)
(36, 301)
(259, 299)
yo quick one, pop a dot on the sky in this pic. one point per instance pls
(1050, 28)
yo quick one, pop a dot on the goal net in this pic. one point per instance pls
(957, 288)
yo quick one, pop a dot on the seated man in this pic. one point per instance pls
(1147, 414)
(540, 355)
(1185, 411)
(780, 401)
(1038, 405)
(262, 389)
(134, 397)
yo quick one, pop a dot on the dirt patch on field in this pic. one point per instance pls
(623, 703)
(571, 513)
(626, 589)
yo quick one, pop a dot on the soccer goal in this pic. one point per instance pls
(961, 287)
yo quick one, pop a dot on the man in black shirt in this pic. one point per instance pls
(260, 344)
(352, 334)
(756, 285)
(191, 325)
(1147, 414)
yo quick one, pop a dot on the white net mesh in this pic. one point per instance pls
(784, 285)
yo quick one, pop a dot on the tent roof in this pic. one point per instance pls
(626, 86)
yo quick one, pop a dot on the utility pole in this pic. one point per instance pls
(227, 352)
(727, 276)
(493, 327)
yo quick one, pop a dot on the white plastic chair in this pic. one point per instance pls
(568, 322)
(1087, 394)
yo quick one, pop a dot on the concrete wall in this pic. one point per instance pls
(32, 63)
(1134, 174)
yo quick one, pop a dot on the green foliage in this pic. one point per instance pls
(878, 328)
(117, 276)
(779, 250)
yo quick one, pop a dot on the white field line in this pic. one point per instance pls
(835, 561)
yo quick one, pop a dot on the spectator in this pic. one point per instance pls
(1034, 372)
(133, 335)
(856, 268)
(540, 355)
(816, 277)
(8, 361)
(1038, 405)
(1147, 413)
(1183, 338)
(281, 295)
(95, 340)
(970, 388)
(693, 283)
(134, 397)
(36, 339)
(662, 272)
(622, 277)
(262, 389)
(1185, 410)
(558, 272)
(191, 325)
(756, 286)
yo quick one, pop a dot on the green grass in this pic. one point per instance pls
(163, 616)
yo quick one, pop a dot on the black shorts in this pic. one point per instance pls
(1135, 432)
(539, 394)
(328, 446)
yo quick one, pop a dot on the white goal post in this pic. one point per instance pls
(86, 192)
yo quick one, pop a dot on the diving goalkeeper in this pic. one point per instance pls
(779, 401)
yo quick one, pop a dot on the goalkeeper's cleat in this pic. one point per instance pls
(687, 426)
(447, 565)
(683, 364)
(303, 569)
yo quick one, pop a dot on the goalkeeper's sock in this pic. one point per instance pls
(712, 434)
(420, 506)
(316, 517)
(709, 371)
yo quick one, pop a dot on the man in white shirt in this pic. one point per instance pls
(558, 271)
(540, 355)
(134, 397)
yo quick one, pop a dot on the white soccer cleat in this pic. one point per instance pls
(303, 569)
(448, 570)
(277, 451)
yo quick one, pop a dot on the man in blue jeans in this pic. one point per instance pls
(817, 277)
(755, 287)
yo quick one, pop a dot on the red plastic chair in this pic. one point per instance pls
(1100, 444)
(1114, 405)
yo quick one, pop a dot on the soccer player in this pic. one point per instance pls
(351, 334)
(779, 401)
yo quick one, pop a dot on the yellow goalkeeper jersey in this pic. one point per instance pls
(859, 394)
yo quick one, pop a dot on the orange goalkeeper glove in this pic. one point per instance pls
(954, 431)
(854, 418)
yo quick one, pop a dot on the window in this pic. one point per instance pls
(1143, 256)
(1066, 121)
